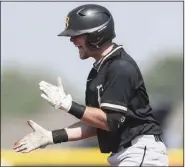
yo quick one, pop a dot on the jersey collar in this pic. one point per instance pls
(97, 65)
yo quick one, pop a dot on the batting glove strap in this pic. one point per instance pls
(77, 110)
(59, 136)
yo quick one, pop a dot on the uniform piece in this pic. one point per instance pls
(115, 84)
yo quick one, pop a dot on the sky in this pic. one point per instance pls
(29, 34)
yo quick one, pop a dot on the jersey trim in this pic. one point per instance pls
(113, 106)
(108, 56)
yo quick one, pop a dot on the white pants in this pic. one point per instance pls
(145, 151)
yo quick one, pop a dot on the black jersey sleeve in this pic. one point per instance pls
(118, 89)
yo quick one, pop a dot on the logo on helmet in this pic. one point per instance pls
(67, 22)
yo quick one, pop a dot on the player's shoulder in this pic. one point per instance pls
(120, 64)
(122, 59)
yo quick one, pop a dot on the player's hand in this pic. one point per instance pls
(55, 95)
(39, 138)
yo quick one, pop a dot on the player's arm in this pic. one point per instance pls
(79, 131)
(96, 118)
(75, 132)
(118, 88)
(40, 137)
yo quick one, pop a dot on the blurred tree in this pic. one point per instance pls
(165, 78)
(20, 92)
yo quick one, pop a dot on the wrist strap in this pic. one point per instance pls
(59, 136)
(77, 110)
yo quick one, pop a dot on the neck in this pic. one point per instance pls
(103, 51)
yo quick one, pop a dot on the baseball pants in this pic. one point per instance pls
(144, 151)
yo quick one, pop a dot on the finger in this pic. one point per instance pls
(46, 97)
(45, 90)
(35, 126)
(28, 150)
(59, 83)
(18, 144)
(21, 148)
(42, 90)
(20, 141)
(45, 84)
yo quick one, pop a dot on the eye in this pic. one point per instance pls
(72, 39)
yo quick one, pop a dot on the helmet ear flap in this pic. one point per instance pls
(101, 36)
(95, 39)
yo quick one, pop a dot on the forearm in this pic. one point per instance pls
(79, 131)
(92, 116)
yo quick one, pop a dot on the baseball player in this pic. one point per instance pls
(117, 108)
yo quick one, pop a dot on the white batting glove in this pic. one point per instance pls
(55, 95)
(39, 138)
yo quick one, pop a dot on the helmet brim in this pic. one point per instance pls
(69, 33)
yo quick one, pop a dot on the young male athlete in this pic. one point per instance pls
(117, 108)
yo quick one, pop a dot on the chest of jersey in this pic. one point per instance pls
(94, 88)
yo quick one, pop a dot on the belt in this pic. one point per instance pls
(129, 144)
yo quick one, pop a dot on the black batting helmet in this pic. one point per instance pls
(91, 19)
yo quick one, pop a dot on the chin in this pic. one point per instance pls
(83, 57)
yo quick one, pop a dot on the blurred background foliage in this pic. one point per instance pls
(20, 93)
(166, 77)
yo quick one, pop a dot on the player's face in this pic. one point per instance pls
(80, 43)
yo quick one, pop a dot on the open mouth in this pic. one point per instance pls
(79, 47)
